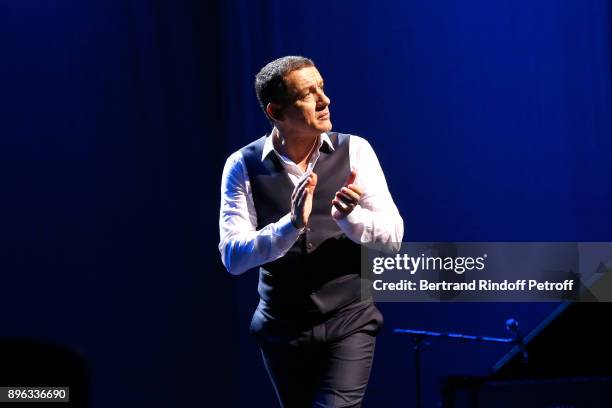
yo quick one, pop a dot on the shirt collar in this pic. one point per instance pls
(269, 146)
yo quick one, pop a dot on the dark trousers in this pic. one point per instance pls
(324, 365)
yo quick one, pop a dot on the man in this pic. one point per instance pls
(298, 203)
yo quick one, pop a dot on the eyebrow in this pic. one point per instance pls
(303, 90)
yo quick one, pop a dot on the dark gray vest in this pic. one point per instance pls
(320, 273)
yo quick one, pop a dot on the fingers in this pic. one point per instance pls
(340, 207)
(303, 182)
(307, 183)
(347, 198)
(297, 207)
(312, 182)
(351, 178)
(345, 202)
(305, 175)
(350, 194)
(301, 185)
(343, 209)
(350, 183)
(341, 213)
(301, 199)
(356, 188)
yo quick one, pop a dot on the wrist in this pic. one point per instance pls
(297, 223)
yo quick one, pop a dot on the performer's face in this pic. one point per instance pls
(309, 110)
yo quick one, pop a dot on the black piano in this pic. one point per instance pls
(568, 365)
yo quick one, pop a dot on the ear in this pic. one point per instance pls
(274, 112)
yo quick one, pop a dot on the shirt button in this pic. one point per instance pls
(309, 245)
(307, 229)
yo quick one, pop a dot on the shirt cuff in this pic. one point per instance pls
(351, 225)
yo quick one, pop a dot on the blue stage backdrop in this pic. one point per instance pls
(492, 121)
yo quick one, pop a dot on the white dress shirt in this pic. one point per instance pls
(374, 220)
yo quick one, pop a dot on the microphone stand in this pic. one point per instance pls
(419, 337)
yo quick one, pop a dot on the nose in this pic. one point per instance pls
(323, 100)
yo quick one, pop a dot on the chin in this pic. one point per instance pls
(326, 127)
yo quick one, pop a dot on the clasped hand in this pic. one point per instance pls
(345, 199)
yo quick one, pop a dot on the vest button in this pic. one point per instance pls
(309, 245)
(307, 229)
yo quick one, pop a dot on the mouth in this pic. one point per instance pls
(324, 116)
